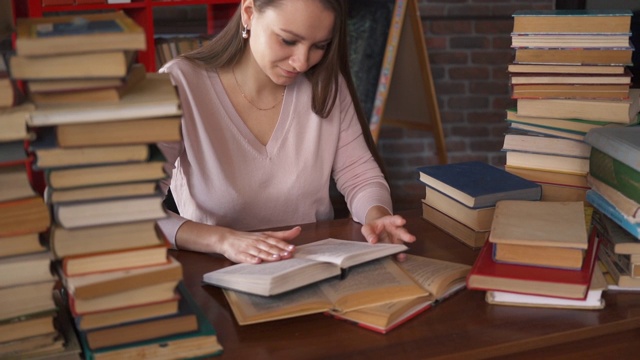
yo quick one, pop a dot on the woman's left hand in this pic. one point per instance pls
(384, 227)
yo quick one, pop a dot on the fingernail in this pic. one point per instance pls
(286, 253)
(290, 247)
(274, 256)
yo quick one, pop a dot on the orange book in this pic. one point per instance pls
(115, 260)
(24, 216)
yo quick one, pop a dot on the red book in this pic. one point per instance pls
(486, 274)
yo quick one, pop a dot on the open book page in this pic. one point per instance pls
(346, 253)
(271, 278)
(249, 308)
(437, 276)
(372, 283)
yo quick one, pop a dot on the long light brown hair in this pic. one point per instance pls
(228, 46)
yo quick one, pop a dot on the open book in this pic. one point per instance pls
(440, 278)
(371, 283)
(311, 263)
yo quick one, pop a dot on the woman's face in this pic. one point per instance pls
(288, 39)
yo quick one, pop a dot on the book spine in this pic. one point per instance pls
(623, 152)
(610, 211)
(614, 173)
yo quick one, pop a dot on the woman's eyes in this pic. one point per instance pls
(322, 46)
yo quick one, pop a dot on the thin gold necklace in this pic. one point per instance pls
(233, 71)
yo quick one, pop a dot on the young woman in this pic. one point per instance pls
(268, 119)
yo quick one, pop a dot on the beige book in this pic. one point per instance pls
(372, 283)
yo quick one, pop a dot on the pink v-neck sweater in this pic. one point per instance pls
(220, 174)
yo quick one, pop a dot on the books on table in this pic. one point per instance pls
(489, 275)
(440, 278)
(311, 263)
(592, 301)
(461, 197)
(540, 233)
(477, 184)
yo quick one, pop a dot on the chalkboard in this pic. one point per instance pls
(391, 69)
(368, 27)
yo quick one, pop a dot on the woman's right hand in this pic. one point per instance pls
(237, 246)
(256, 247)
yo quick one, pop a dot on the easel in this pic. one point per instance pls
(404, 97)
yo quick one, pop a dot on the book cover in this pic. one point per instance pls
(155, 96)
(580, 126)
(477, 184)
(614, 237)
(196, 344)
(628, 207)
(593, 301)
(616, 111)
(14, 183)
(468, 236)
(486, 274)
(183, 321)
(566, 69)
(86, 65)
(48, 154)
(540, 223)
(104, 238)
(142, 131)
(608, 209)
(572, 21)
(72, 215)
(105, 283)
(621, 143)
(571, 56)
(24, 216)
(478, 219)
(518, 140)
(70, 34)
(13, 123)
(615, 173)
(114, 260)
(548, 162)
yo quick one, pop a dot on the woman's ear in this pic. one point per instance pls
(247, 10)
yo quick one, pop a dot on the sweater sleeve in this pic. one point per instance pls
(171, 151)
(357, 174)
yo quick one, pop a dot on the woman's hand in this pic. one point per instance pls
(381, 226)
(256, 247)
(237, 246)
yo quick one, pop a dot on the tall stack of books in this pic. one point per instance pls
(539, 254)
(569, 75)
(461, 198)
(28, 313)
(101, 169)
(615, 193)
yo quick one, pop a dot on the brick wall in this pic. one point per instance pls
(468, 42)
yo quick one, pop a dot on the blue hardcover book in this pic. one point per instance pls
(608, 209)
(476, 184)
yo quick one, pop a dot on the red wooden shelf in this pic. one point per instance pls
(139, 10)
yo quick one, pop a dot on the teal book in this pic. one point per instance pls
(621, 143)
(615, 173)
(476, 184)
(191, 345)
(609, 210)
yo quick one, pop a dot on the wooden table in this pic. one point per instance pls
(464, 326)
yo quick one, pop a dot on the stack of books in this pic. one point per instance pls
(569, 75)
(102, 171)
(461, 198)
(29, 319)
(615, 193)
(539, 254)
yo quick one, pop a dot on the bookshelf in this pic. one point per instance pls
(142, 11)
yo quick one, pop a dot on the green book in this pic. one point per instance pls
(198, 344)
(615, 173)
